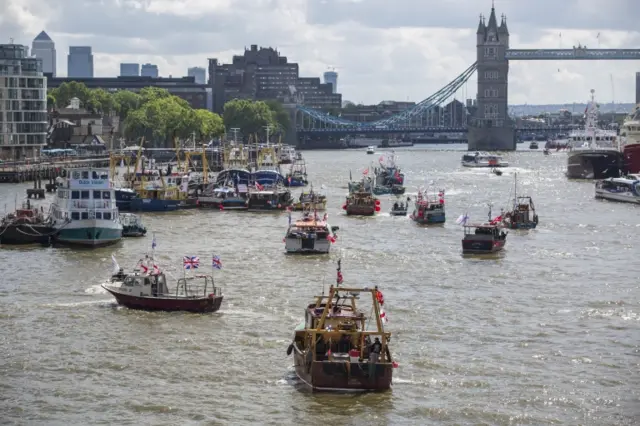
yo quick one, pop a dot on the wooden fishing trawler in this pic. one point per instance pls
(27, 225)
(146, 289)
(332, 349)
(361, 204)
(297, 175)
(310, 234)
(310, 201)
(483, 238)
(389, 179)
(429, 209)
(523, 215)
(264, 199)
(132, 225)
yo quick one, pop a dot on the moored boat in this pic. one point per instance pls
(623, 189)
(146, 289)
(274, 198)
(84, 210)
(483, 159)
(631, 132)
(310, 234)
(429, 209)
(297, 175)
(27, 225)
(332, 348)
(132, 225)
(226, 197)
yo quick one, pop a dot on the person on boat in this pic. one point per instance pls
(395, 206)
(120, 275)
(374, 355)
(344, 345)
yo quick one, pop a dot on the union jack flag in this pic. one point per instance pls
(191, 262)
(216, 262)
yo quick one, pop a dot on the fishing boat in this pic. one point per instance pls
(268, 171)
(310, 234)
(272, 198)
(631, 149)
(388, 177)
(287, 154)
(132, 225)
(594, 153)
(429, 209)
(371, 149)
(226, 197)
(361, 204)
(310, 201)
(523, 215)
(146, 289)
(483, 159)
(364, 185)
(297, 175)
(236, 166)
(26, 225)
(84, 210)
(623, 189)
(334, 351)
(400, 208)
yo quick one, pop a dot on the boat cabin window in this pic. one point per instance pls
(75, 195)
(85, 195)
(75, 216)
(85, 174)
(131, 281)
(98, 215)
(85, 215)
(76, 175)
(106, 215)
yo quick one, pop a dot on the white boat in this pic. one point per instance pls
(624, 189)
(309, 235)
(594, 153)
(630, 131)
(371, 150)
(286, 154)
(394, 143)
(483, 159)
(85, 210)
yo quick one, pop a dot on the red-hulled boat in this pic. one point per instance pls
(483, 238)
(631, 151)
(149, 292)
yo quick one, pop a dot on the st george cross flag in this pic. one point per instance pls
(191, 262)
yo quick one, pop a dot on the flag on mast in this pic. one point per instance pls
(153, 242)
(216, 262)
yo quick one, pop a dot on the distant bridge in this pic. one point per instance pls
(368, 130)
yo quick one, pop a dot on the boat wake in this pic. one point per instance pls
(105, 302)
(95, 289)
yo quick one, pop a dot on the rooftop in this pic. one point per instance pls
(43, 36)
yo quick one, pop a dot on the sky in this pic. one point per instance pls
(382, 49)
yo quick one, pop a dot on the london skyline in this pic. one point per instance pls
(379, 55)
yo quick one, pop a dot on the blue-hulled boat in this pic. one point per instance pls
(429, 210)
(124, 196)
(297, 175)
(235, 175)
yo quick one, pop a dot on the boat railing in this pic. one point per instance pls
(188, 288)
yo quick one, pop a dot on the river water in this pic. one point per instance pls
(544, 333)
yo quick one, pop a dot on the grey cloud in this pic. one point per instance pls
(570, 14)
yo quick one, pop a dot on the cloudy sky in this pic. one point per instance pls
(382, 49)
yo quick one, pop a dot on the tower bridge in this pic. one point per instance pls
(489, 127)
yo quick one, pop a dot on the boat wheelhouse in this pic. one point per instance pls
(286, 154)
(309, 235)
(268, 172)
(297, 175)
(310, 201)
(132, 225)
(483, 238)
(225, 197)
(429, 209)
(84, 210)
(334, 351)
(483, 159)
(626, 189)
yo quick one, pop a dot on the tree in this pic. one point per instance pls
(51, 102)
(126, 101)
(280, 115)
(148, 94)
(250, 117)
(66, 91)
(206, 124)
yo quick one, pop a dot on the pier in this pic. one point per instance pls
(27, 171)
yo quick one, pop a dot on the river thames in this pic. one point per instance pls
(546, 332)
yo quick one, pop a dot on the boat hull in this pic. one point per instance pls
(360, 211)
(90, 233)
(594, 164)
(398, 212)
(133, 231)
(154, 205)
(330, 376)
(195, 305)
(522, 225)
(482, 246)
(307, 246)
(124, 197)
(21, 234)
(320, 206)
(429, 218)
(631, 154)
(621, 197)
(295, 182)
(223, 203)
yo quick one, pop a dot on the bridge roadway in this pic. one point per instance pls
(333, 131)
(577, 53)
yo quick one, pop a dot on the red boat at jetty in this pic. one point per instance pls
(332, 349)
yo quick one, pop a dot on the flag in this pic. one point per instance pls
(191, 262)
(325, 217)
(144, 268)
(259, 187)
(289, 218)
(332, 239)
(496, 219)
(383, 316)
(156, 269)
(153, 242)
(114, 263)
(350, 178)
(339, 278)
(462, 220)
(379, 297)
(365, 172)
(216, 262)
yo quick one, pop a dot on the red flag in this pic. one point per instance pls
(366, 172)
(340, 278)
(379, 297)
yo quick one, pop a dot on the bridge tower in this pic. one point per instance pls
(491, 128)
